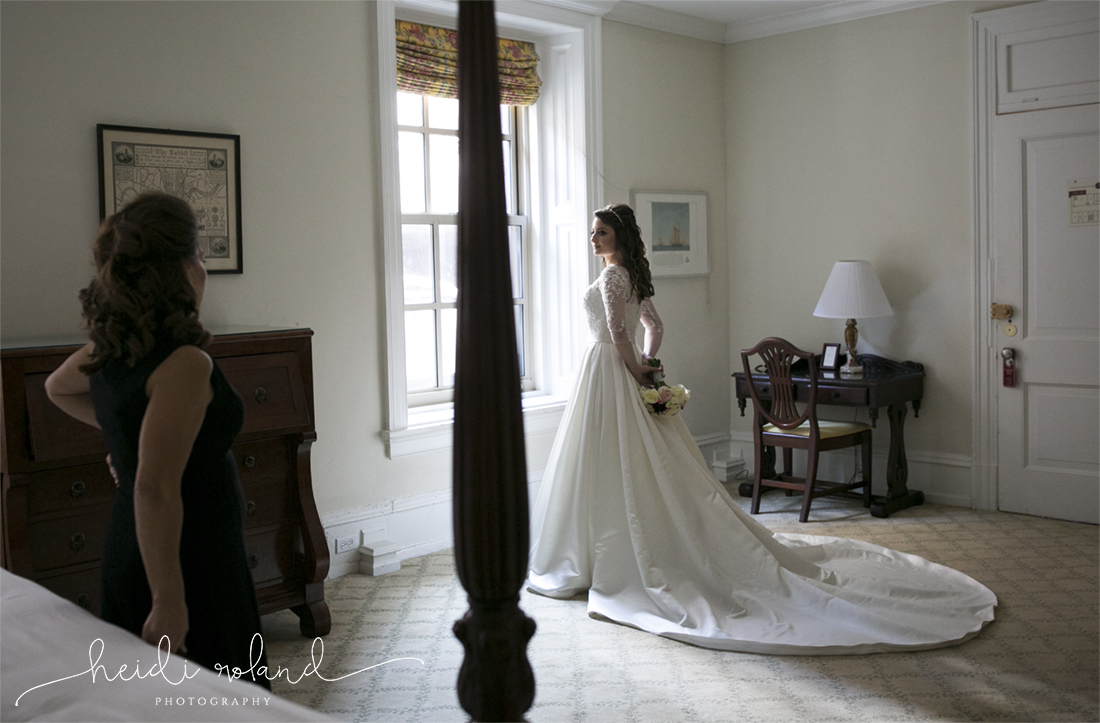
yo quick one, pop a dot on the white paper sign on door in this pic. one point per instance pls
(1084, 203)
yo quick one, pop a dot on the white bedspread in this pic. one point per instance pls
(44, 638)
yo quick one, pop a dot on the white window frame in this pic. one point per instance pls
(518, 217)
(566, 185)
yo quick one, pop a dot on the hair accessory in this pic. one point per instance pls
(612, 210)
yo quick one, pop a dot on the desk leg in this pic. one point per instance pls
(898, 495)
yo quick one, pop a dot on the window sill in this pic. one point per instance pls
(431, 428)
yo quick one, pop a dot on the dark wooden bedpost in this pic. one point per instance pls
(496, 682)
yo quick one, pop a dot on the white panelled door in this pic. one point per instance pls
(1045, 247)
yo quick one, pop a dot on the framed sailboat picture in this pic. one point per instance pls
(674, 230)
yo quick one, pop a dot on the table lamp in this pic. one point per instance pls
(852, 291)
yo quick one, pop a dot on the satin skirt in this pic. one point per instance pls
(629, 512)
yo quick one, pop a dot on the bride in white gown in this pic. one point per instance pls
(629, 512)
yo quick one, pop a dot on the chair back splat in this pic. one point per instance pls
(778, 423)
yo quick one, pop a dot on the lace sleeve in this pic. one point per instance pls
(616, 290)
(650, 319)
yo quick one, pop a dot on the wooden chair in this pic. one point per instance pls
(778, 423)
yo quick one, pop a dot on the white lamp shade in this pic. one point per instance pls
(853, 291)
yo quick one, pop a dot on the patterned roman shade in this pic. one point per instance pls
(427, 58)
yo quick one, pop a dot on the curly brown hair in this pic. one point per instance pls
(141, 293)
(629, 247)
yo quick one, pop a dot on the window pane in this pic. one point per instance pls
(420, 372)
(506, 119)
(448, 263)
(443, 155)
(443, 113)
(518, 309)
(410, 155)
(419, 263)
(515, 259)
(410, 109)
(449, 327)
(509, 180)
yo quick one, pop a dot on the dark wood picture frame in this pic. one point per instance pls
(203, 169)
(830, 358)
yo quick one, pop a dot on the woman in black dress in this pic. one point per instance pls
(174, 562)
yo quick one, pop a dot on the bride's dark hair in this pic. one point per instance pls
(629, 246)
(141, 292)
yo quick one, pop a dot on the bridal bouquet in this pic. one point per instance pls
(661, 398)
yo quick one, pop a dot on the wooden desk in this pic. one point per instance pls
(884, 383)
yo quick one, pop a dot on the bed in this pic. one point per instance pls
(45, 638)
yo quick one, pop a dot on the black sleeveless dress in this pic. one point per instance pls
(221, 601)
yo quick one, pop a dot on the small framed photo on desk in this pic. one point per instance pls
(830, 358)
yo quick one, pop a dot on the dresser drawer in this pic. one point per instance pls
(268, 504)
(75, 488)
(55, 435)
(271, 555)
(272, 389)
(80, 587)
(67, 540)
(264, 460)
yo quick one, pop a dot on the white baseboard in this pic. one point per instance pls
(945, 479)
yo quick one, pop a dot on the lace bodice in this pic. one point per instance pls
(613, 311)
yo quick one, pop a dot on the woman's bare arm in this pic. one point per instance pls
(69, 389)
(179, 392)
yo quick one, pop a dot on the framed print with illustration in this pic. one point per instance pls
(203, 169)
(830, 358)
(674, 230)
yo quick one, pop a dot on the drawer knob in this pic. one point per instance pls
(249, 462)
(77, 490)
(261, 395)
(84, 601)
(250, 508)
(835, 395)
(253, 561)
(76, 542)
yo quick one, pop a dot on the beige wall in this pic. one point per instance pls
(297, 82)
(853, 141)
(847, 141)
(663, 130)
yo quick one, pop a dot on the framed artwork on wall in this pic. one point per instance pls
(203, 169)
(674, 230)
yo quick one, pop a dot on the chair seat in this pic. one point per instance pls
(826, 428)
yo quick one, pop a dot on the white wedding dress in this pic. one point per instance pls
(629, 512)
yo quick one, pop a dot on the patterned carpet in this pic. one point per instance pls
(1038, 661)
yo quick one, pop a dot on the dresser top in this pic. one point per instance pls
(79, 338)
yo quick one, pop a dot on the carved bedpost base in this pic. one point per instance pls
(495, 637)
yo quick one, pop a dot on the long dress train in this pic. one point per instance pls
(628, 511)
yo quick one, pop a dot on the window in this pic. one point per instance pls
(427, 130)
(553, 171)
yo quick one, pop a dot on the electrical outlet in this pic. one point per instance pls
(343, 544)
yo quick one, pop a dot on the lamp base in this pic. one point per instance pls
(851, 371)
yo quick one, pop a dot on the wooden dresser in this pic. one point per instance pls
(57, 490)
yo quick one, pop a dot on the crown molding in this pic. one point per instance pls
(598, 8)
(666, 20)
(645, 16)
(837, 12)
